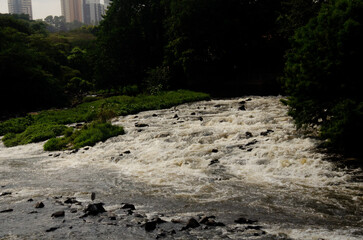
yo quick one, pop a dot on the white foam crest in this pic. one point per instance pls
(177, 150)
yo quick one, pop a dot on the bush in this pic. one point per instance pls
(321, 73)
(89, 135)
(15, 125)
(34, 133)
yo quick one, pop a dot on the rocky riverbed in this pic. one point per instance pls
(220, 169)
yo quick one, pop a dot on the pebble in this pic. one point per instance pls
(5, 193)
(39, 205)
(58, 214)
(128, 206)
(7, 210)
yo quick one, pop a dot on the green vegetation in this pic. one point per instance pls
(89, 135)
(50, 123)
(321, 74)
(34, 133)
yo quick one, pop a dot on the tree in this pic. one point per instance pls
(214, 41)
(321, 74)
(130, 40)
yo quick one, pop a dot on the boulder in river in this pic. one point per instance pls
(39, 205)
(58, 214)
(248, 135)
(242, 220)
(7, 210)
(5, 193)
(242, 108)
(94, 209)
(128, 206)
(265, 133)
(192, 223)
(141, 125)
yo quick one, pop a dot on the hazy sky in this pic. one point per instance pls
(41, 8)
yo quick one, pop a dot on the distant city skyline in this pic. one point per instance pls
(41, 8)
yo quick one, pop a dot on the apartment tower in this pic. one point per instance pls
(21, 7)
(72, 10)
(92, 12)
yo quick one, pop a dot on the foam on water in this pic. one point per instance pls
(179, 150)
(213, 151)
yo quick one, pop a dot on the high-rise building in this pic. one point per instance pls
(72, 10)
(106, 4)
(92, 11)
(21, 7)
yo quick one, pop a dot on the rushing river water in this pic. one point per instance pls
(204, 158)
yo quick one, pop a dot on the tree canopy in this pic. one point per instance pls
(322, 73)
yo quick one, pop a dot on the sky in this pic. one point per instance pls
(41, 8)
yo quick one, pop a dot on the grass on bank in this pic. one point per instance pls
(51, 123)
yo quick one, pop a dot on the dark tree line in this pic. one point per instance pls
(223, 47)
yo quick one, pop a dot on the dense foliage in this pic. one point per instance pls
(322, 74)
(39, 69)
(193, 44)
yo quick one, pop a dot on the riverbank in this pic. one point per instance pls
(50, 124)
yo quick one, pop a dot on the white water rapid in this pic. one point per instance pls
(214, 157)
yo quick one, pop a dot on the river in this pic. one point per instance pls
(232, 159)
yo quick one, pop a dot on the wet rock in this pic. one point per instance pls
(161, 235)
(248, 99)
(141, 125)
(30, 200)
(70, 200)
(266, 132)
(5, 193)
(193, 113)
(57, 197)
(210, 221)
(154, 115)
(56, 155)
(242, 102)
(200, 119)
(32, 212)
(127, 152)
(248, 135)
(254, 227)
(252, 142)
(128, 206)
(136, 116)
(130, 212)
(206, 219)
(150, 226)
(158, 220)
(58, 214)
(214, 150)
(242, 108)
(176, 116)
(218, 105)
(7, 210)
(192, 223)
(214, 161)
(242, 220)
(74, 151)
(111, 216)
(39, 205)
(94, 209)
(73, 210)
(52, 229)
(93, 196)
